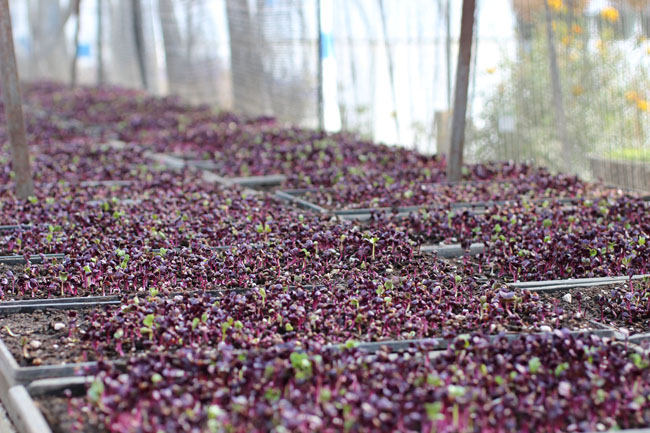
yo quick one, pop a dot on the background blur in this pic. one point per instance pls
(562, 83)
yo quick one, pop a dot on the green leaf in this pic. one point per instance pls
(434, 411)
(272, 394)
(148, 320)
(96, 390)
(455, 391)
(534, 364)
(561, 368)
(325, 395)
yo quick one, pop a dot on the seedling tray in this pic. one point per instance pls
(28, 306)
(34, 259)
(555, 285)
(22, 411)
(168, 161)
(13, 227)
(29, 419)
(175, 162)
(294, 196)
(453, 250)
(442, 344)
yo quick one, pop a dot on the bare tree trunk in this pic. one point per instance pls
(123, 67)
(47, 21)
(558, 102)
(173, 43)
(138, 37)
(73, 67)
(245, 58)
(13, 106)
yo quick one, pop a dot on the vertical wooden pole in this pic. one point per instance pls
(77, 29)
(13, 106)
(138, 34)
(100, 44)
(448, 50)
(455, 163)
(319, 96)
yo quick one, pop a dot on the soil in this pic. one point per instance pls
(55, 411)
(37, 329)
(588, 308)
(13, 268)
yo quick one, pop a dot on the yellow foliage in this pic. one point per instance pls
(642, 104)
(577, 90)
(632, 96)
(610, 14)
(527, 9)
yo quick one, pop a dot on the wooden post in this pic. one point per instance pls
(136, 9)
(13, 106)
(77, 29)
(441, 124)
(455, 163)
(319, 96)
(448, 50)
(100, 44)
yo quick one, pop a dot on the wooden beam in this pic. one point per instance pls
(455, 162)
(13, 106)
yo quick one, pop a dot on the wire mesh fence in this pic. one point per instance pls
(562, 83)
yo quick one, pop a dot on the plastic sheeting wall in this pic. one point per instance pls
(390, 71)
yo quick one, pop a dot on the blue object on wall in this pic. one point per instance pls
(327, 45)
(83, 50)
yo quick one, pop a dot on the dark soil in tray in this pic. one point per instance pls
(55, 411)
(44, 337)
(588, 308)
(13, 268)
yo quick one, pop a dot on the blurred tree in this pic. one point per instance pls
(47, 20)
(175, 58)
(605, 101)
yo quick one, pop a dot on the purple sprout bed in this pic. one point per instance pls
(211, 307)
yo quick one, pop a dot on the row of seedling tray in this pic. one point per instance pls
(46, 381)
